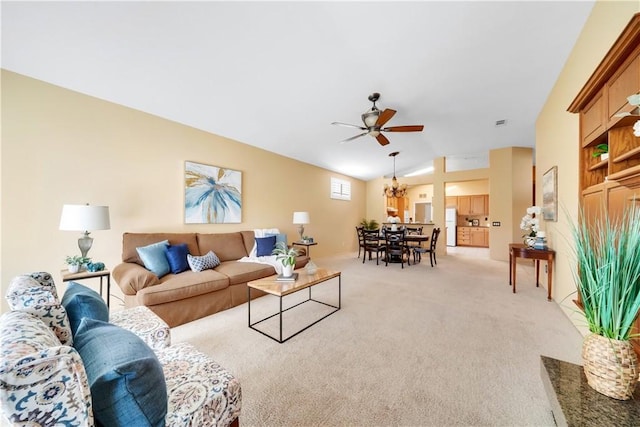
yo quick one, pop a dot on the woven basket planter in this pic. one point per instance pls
(611, 366)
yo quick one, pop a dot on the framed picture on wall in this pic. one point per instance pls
(550, 194)
(212, 195)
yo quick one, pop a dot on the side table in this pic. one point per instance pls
(81, 275)
(519, 250)
(307, 245)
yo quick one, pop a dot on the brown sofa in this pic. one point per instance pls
(181, 298)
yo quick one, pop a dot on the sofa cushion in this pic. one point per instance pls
(181, 286)
(125, 377)
(131, 241)
(227, 246)
(204, 262)
(265, 245)
(81, 302)
(243, 272)
(177, 257)
(154, 258)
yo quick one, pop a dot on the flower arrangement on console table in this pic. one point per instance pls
(531, 225)
(607, 276)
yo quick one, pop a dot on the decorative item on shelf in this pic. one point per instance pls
(84, 218)
(607, 276)
(75, 262)
(311, 268)
(95, 266)
(300, 219)
(601, 150)
(395, 189)
(307, 239)
(635, 101)
(531, 225)
(287, 257)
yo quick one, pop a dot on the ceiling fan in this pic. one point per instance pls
(374, 119)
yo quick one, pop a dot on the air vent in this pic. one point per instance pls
(502, 122)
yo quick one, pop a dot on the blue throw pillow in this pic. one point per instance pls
(177, 257)
(125, 377)
(154, 259)
(80, 302)
(280, 238)
(265, 245)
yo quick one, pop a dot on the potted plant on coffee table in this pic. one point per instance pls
(76, 262)
(607, 276)
(286, 256)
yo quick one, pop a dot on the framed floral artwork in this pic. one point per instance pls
(212, 195)
(550, 194)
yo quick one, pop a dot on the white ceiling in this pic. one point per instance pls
(276, 74)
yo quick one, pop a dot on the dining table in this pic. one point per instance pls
(416, 238)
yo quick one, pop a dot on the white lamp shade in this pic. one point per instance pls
(301, 217)
(84, 218)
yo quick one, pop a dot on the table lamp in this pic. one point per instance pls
(84, 218)
(301, 218)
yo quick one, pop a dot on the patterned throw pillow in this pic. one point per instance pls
(205, 262)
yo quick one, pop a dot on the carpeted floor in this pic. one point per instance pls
(442, 346)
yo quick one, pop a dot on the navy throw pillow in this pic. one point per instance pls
(80, 302)
(265, 245)
(125, 377)
(177, 257)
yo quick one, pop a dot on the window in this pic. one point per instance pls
(340, 189)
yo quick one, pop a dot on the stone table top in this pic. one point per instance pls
(575, 403)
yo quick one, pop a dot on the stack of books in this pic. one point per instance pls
(291, 278)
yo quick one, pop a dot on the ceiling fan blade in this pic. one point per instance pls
(348, 125)
(385, 116)
(353, 137)
(382, 140)
(410, 128)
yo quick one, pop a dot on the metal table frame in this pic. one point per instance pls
(279, 313)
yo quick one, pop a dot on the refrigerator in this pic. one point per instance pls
(450, 220)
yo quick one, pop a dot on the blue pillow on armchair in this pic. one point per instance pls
(265, 245)
(177, 257)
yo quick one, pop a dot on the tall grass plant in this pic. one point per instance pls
(607, 273)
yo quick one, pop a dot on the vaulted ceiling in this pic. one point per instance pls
(276, 74)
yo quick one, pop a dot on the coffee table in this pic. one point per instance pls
(281, 289)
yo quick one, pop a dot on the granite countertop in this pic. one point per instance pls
(575, 403)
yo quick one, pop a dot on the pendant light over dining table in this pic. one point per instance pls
(395, 189)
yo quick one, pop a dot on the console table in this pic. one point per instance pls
(67, 276)
(523, 251)
(575, 403)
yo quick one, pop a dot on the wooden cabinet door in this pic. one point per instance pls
(464, 236)
(464, 205)
(477, 237)
(621, 85)
(592, 119)
(477, 205)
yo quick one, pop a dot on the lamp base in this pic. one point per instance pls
(301, 231)
(84, 243)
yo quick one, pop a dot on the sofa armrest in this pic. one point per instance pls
(132, 277)
(190, 373)
(145, 324)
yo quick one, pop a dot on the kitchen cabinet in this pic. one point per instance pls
(473, 236)
(613, 182)
(451, 202)
(473, 205)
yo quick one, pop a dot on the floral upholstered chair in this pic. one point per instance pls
(53, 368)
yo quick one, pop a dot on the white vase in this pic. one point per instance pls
(287, 270)
(74, 268)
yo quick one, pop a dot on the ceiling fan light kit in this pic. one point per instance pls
(374, 119)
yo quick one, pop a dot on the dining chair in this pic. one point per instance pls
(396, 246)
(359, 230)
(413, 230)
(431, 250)
(372, 243)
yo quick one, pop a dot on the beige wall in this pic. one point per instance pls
(60, 146)
(557, 135)
(467, 188)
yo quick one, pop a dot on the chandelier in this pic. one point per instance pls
(395, 189)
